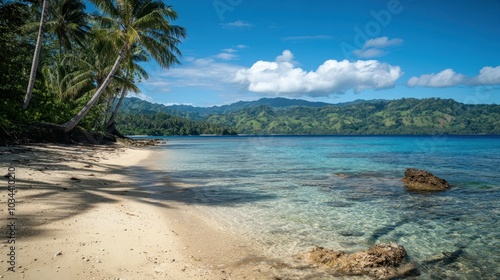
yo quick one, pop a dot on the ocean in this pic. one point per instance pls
(291, 193)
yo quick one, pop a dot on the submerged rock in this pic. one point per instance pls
(421, 180)
(382, 261)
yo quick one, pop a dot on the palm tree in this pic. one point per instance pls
(142, 22)
(88, 67)
(68, 21)
(36, 56)
(132, 72)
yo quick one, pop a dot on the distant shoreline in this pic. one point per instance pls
(318, 135)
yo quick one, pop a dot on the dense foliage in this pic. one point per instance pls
(282, 116)
(88, 63)
(82, 64)
(159, 124)
(405, 116)
(135, 105)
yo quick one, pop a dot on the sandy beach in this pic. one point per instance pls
(94, 212)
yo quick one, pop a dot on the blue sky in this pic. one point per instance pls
(332, 51)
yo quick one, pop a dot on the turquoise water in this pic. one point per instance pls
(289, 194)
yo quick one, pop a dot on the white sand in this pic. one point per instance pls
(100, 212)
(82, 214)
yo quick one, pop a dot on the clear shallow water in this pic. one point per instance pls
(292, 193)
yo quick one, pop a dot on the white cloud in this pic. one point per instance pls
(142, 96)
(206, 73)
(487, 76)
(237, 24)
(230, 50)
(225, 56)
(377, 47)
(382, 42)
(172, 104)
(448, 78)
(282, 76)
(445, 78)
(229, 53)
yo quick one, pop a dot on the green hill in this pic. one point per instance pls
(134, 105)
(285, 116)
(160, 124)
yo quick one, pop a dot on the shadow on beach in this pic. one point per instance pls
(79, 180)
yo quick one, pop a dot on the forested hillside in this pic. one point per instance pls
(405, 116)
(159, 124)
(135, 106)
(282, 116)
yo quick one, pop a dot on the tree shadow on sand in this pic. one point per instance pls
(72, 194)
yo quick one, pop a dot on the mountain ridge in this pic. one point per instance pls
(295, 116)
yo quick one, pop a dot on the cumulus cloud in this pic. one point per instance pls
(283, 77)
(377, 47)
(445, 78)
(488, 76)
(448, 78)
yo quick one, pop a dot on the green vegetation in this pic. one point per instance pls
(282, 116)
(159, 124)
(69, 68)
(404, 116)
(62, 67)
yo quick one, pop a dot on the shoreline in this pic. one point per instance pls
(82, 214)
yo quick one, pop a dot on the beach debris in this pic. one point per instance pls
(88, 166)
(59, 253)
(75, 179)
(382, 261)
(421, 180)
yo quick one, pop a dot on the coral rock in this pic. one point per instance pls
(382, 261)
(421, 180)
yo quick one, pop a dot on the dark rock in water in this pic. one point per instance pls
(421, 180)
(382, 261)
(351, 233)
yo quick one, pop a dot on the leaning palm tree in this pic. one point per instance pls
(88, 67)
(142, 22)
(36, 55)
(132, 72)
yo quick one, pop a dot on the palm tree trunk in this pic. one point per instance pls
(115, 111)
(36, 55)
(69, 125)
